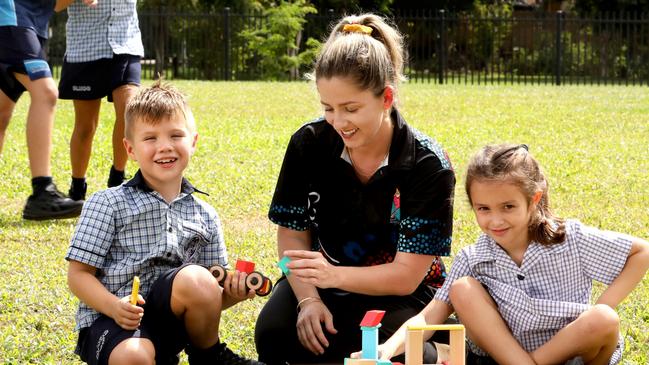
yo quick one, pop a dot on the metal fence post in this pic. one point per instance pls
(441, 57)
(558, 48)
(227, 75)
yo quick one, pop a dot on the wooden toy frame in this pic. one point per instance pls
(415, 341)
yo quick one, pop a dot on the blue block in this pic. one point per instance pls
(282, 265)
(370, 343)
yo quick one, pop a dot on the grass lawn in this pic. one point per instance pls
(592, 142)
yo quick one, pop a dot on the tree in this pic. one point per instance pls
(277, 42)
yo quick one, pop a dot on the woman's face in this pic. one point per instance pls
(357, 115)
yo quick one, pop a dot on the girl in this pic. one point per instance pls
(363, 204)
(523, 289)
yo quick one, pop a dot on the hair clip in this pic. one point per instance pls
(509, 150)
(357, 28)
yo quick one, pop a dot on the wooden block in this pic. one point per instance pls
(245, 266)
(414, 347)
(372, 318)
(457, 343)
(282, 265)
(349, 361)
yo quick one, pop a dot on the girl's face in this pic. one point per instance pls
(503, 212)
(357, 115)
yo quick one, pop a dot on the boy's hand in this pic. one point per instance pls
(235, 287)
(91, 3)
(127, 315)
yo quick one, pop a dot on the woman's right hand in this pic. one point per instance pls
(127, 315)
(309, 328)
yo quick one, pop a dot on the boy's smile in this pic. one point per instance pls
(163, 151)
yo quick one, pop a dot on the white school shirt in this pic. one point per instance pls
(553, 285)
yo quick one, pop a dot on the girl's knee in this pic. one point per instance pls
(463, 288)
(133, 351)
(601, 321)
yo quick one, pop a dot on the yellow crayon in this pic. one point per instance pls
(136, 288)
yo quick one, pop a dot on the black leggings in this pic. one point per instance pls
(276, 335)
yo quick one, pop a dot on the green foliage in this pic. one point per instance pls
(276, 44)
(591, 141)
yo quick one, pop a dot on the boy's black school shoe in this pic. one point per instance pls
(218, 354)
(50, 203)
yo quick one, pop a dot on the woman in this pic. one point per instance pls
(363, 206)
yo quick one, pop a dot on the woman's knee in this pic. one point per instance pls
(133, 351)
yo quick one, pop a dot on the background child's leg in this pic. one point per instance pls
(121, 96)
(86, 119)
(593, 336)
(40, 121)
(196, 298)
(133, 351)
(484, 325)
(6, 110)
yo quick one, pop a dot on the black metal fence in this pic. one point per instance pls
(443, 48)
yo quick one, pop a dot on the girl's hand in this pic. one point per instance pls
(127, 315)
(312, 268)
(235, 287)
(384, 353)
(309, 327)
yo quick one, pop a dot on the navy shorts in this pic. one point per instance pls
(96, 79)
(21, 51)
(159, 324)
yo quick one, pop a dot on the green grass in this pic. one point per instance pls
(592, 142)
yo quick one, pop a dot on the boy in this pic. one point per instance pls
(153, 227)
(23, 34)
(102, 58)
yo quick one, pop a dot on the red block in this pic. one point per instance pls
(245, 266)
(372, 318)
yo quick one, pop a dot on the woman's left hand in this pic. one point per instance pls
(312, 268)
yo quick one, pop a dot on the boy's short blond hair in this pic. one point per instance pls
(154, 104)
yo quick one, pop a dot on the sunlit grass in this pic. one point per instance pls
(592, 142)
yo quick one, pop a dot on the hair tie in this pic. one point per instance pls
(357, 28)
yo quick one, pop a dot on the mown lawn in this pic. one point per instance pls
(592, 142)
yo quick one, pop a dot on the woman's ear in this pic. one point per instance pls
(388, 97)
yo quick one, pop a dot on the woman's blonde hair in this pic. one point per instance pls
(372, 60)
(509, 163)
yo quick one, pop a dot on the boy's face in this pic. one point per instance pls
(162, 151)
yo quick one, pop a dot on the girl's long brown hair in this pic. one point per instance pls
(514, 164)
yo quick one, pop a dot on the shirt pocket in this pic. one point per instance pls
(195, 237)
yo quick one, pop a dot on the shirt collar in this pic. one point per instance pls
(138, 182)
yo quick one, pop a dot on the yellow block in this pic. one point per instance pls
(135, 290)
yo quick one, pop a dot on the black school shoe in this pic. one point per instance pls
(218, 354)
(50, 203)
(76, 193)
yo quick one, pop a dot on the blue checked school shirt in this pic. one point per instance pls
(93, 33)
(130, 230)
(553, 285)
